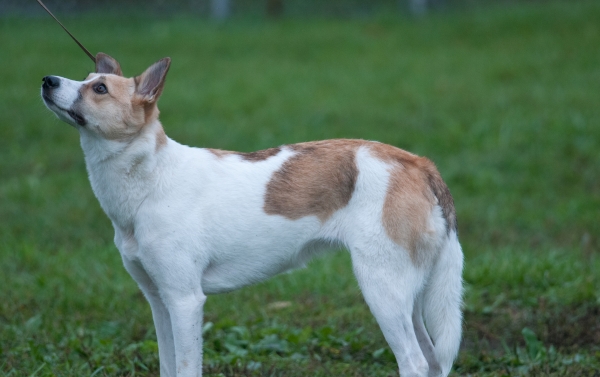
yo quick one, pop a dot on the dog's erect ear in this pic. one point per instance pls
(107, 64)
(149, 85)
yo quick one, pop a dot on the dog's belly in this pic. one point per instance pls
(256, 266)
(237, 274)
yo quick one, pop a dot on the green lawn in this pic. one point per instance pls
(506, 101)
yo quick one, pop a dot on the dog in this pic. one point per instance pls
(191, 222)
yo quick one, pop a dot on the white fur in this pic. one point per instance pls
(189, 224)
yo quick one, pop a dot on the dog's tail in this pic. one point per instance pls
(442, 300)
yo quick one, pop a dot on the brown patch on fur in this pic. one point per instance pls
(119, 88)
(161, 139)
(415, 187)
(251, 156)
(220, 153)
(150, 111)
(407, 203)
(442, 193)
(259, 155)
(317, 181)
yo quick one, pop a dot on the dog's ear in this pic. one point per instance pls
(107, 64)
(149, 85)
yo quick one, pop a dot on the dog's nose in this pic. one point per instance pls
(51, 82)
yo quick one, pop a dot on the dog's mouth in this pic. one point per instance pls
(78, 118)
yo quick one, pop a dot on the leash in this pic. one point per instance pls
(65, 29)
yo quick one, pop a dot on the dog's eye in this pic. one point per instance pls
(100, 89)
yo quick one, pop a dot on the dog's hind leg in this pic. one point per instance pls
(160, 315)
(390, 283)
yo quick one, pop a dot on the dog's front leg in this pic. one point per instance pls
(160, 315)
(186, 312)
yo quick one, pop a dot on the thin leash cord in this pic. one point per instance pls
(71, 35)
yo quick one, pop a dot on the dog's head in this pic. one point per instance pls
(106, 103)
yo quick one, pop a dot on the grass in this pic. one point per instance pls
(504, 100)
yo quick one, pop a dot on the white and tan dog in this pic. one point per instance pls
(191, 222)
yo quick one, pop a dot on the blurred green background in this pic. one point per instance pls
(503, 97)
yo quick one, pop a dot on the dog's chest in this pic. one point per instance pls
(120, 189)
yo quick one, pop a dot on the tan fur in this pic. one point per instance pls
(220, 153)
(410, 198)
(251, 156)
(442, 193)
(408, 202)
(149, 109)
(128, 119)
(161, 139)
(318, 180)
(129, 111)
(260, 155)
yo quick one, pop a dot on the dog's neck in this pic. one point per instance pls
(122, 173)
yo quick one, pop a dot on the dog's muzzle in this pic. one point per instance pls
(50, 84)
